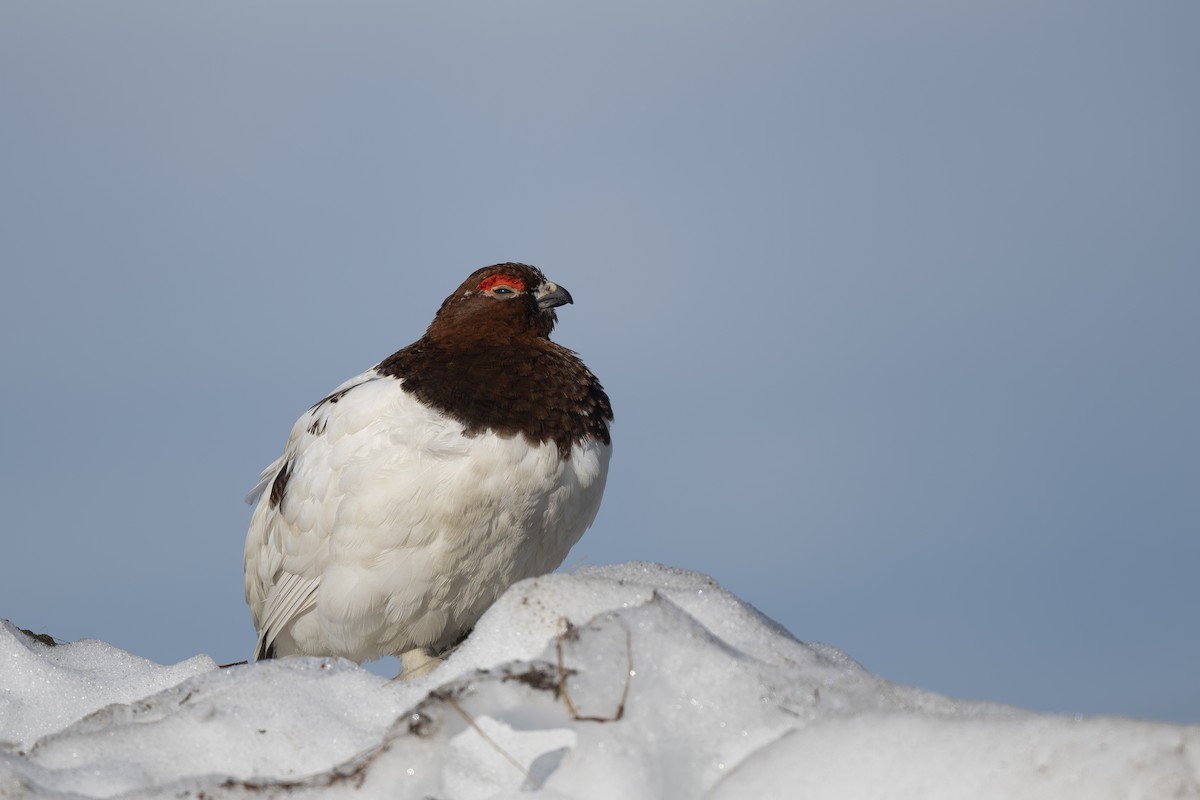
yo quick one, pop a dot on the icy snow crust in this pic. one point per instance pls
(673, 689)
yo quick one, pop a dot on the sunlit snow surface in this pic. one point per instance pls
(632, 681)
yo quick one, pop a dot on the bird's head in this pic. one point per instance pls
(503, 301)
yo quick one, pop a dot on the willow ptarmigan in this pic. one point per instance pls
(413, 495)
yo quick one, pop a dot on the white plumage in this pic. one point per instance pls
(397, 531)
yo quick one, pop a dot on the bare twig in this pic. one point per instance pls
(483, 734)
(567, 631)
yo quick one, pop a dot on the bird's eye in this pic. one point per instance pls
(503, 286)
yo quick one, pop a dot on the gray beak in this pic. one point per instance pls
(550, 295)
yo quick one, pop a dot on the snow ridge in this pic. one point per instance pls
(635, 680)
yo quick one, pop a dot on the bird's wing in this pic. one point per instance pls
(286, 551)
(288, 599)
(352, 481)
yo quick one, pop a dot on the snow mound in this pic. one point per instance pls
(632, 681)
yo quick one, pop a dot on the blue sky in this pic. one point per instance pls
(896, 302)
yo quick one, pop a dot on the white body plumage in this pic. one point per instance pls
(395, 531)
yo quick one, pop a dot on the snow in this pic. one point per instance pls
(631, 681)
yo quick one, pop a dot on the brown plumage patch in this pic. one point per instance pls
(279, 485)
(331, 398)
(319, 424)
(489, 364)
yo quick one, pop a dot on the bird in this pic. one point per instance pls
(411, 496)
